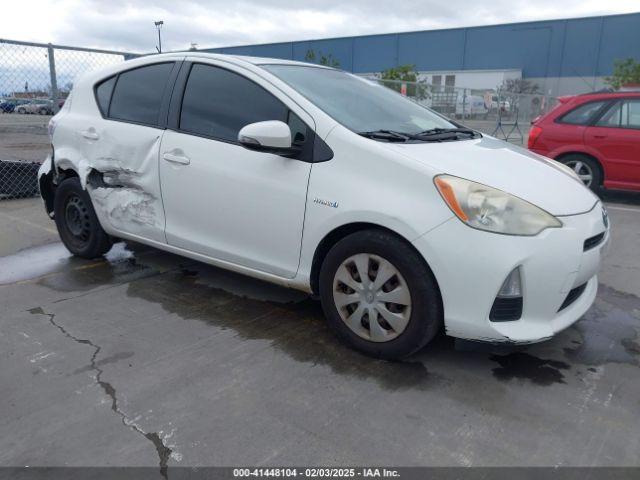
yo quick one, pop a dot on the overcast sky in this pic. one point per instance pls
(128, 25)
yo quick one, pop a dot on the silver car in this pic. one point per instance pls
(41, 106)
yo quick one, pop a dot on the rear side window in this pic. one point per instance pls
(583, 114)
(218, 103)
(138, 94)
(103, 94)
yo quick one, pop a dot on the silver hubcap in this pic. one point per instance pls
(582, 170)
(372, 297)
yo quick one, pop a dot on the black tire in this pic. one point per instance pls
(77, 223)
(426, 314)
(592, 165)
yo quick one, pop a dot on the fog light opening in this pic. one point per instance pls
(512, 285)
(507, 306)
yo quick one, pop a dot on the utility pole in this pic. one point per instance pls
(158, 25)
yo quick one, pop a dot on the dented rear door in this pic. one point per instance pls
(122, 150)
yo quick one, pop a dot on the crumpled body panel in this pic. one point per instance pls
(120, 172)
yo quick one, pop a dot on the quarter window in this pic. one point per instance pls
(298, 129)
(103, 94)
(218, 103)
(138, 94)
(583, 114)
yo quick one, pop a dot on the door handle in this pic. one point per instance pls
(173, 158)
(599, 136)
(90, 134)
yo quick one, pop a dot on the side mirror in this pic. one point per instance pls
(272, 136)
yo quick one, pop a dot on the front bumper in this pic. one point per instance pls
(470, 266)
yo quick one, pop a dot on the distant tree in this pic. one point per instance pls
(624, 72)
(322, 59)
(408, 75)
(520, 85)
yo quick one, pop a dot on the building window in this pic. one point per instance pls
(450, 82)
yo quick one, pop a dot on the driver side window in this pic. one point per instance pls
(218, 103)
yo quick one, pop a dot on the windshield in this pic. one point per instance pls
(356, 103)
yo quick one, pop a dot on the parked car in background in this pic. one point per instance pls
(503, 105)
(471, 106)
(597, 135)
(7, 105)
(40, 106)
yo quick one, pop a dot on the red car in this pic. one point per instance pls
(596, 134)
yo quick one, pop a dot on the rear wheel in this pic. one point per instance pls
(379, 296)
(586, 168)
(77, 223)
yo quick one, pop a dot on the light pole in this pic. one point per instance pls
(158, 25)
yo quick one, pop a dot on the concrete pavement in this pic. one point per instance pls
(146, 358)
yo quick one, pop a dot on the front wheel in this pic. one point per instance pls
(379, 296)
(77, 223)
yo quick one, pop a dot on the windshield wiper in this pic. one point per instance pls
(431, 135)
(389, 135)
(446, 132)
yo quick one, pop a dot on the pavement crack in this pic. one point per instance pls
(163, 451)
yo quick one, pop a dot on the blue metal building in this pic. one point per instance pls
(563, 56)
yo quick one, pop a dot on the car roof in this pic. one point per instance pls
(239, 60)
(606, 95)
(252, 60)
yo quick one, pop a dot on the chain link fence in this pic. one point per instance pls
(500, 113)
(35, 80)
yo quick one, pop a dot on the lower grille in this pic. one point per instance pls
(573, 295)
(506, 309)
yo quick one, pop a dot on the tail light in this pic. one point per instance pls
(534, 133)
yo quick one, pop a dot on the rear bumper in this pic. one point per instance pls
(470, 266)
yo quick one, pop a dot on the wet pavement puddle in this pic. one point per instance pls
(294, 323)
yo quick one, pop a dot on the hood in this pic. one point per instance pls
(512, 169)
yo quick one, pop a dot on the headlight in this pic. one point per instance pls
(492, 210)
